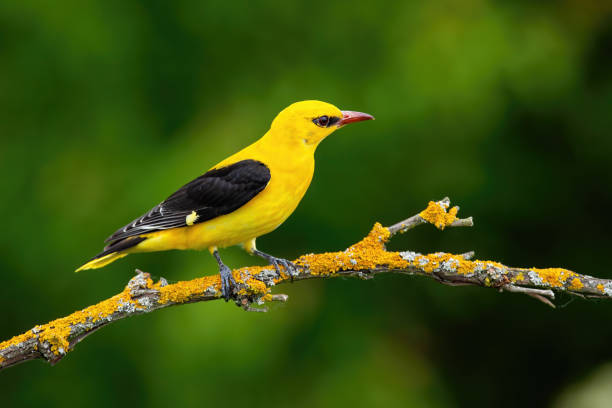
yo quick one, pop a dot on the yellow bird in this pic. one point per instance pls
(243, 197)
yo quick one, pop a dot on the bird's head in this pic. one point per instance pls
(309, 122)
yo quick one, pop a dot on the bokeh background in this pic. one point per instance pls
(106, 107)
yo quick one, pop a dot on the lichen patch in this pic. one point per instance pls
(437, 214)
(367, 254)
(576, 284)
(56, 334)
(554, 277)
(183, 291)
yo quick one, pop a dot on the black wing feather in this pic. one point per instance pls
(217, 192)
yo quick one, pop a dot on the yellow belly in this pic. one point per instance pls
(263, 214)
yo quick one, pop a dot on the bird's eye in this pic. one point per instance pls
(321, 121)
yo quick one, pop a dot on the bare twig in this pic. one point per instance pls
(365, 259)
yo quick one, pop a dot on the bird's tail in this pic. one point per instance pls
(102, 261)
(111, 253)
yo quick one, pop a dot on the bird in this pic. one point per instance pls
(241, 198)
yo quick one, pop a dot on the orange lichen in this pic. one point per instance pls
(149, 281)
(430, 262)
(370, 253)
(554, 277)
(366, 254)
(436, 214)
(576, 284)
(257, 287)
(57, 332)
(57, 337)
(183, 291)
(254, 287)
(17, 340)
(600, 288)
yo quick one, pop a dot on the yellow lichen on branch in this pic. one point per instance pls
(367, 257)
(253, 287)
(56, 333)
(436, 214)
(16, 340)
(368, 253)
(456, 264)
(576, 284)
(430, 262)
(182, 292)
(556, 277)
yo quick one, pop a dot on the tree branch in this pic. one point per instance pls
(365, 259)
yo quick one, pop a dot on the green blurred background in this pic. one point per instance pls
(106, 107)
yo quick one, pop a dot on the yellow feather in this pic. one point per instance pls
(101, 262)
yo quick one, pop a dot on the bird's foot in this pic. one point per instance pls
(227, 281)
(291, 268)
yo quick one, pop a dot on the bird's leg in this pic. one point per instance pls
(289, 266)
(227, 279)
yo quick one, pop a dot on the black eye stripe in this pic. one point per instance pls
(333, 120)
(325, 121)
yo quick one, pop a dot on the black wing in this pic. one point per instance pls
(217, 192)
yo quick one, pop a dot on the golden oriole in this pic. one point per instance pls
(243, 197)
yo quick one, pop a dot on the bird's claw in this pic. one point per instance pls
(290, 267)
(227, 282)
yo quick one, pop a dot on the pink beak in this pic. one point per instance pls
(350, 117)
